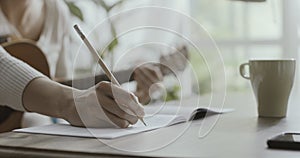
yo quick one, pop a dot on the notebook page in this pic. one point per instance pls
(185, 112)
(153, 122)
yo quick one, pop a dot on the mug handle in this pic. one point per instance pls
(242, 71)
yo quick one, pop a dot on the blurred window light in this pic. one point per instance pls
(245, 30)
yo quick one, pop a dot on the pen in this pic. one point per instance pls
(104, 67)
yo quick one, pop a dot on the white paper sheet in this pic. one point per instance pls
(154, 119)
(154, 122)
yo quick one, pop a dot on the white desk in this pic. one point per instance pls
(237, 134)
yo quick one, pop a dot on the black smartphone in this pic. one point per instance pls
(289, 141)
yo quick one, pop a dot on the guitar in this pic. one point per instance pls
(175, 61)
(30, 53)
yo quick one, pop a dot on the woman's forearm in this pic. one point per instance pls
(47, 97)
(105, 105)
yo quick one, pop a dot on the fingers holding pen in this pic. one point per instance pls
(122, 123)
(119, 102)
(97, 107)
(110, 106)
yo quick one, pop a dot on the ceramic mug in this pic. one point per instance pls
(272, 81)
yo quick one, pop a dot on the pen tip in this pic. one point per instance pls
(143, 122)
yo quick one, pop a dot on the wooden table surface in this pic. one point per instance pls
(237, 134)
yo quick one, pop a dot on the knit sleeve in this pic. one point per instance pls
(15, 75)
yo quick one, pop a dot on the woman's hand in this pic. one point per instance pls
(105, 105)
(146, 76)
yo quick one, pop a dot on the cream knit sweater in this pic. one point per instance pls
(14, 77)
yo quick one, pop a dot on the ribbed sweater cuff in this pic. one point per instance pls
(16, 75)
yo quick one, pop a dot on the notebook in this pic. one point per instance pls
(156, 117)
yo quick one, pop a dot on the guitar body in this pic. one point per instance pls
(31, 54)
